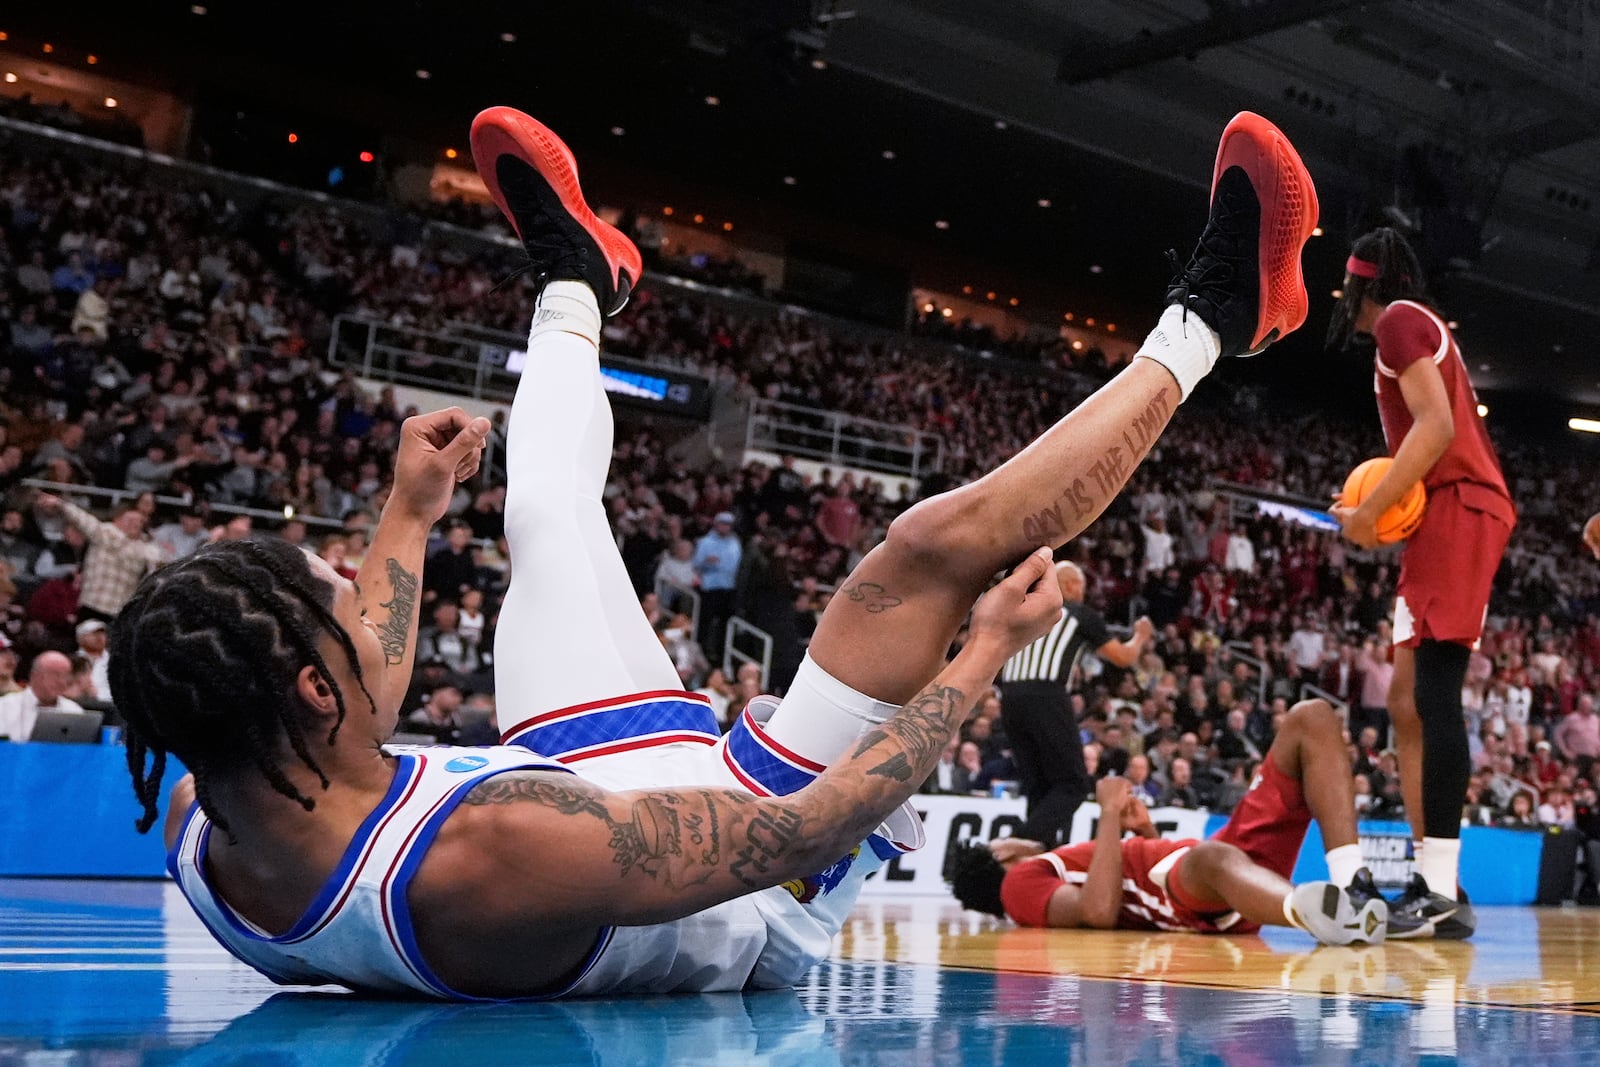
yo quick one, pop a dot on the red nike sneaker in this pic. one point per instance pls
(1244, 279)
(534, 180)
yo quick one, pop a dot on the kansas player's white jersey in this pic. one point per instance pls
(358, 931)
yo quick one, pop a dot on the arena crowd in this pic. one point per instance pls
(161, 339)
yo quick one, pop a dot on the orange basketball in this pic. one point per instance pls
(1401, 520)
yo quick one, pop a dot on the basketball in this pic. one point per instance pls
(1401, 520)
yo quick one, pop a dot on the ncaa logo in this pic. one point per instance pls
(462, 764)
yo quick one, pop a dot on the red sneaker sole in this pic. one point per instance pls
(1288, 215)
(506, 131)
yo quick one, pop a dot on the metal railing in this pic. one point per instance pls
(673, 593)
(471, 363)
(732, 654)
(843, 440)
(113, 497)
(1241, 651)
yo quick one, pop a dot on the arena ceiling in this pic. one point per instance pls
(1475, 119)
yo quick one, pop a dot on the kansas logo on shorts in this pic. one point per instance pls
(807, 889)
(463, 764)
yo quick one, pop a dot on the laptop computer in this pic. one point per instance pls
(71, 727)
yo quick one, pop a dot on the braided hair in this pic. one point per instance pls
(975, 877)
(205, 660)
(1399, 277)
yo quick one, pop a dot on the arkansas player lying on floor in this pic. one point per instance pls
(1238, 881)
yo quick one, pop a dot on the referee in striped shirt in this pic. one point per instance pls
(1038, 718)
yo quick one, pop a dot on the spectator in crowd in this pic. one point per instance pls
(91, 634)
(439, 717)
(1179, 791)
(677, 570)
(1138, 776)
(118, 556)
(183, 538)
(442, 639)
(1521, 815)
(48, 678)
(8, 667)
(1578, 736)
(1557, 809)
(716, 560)
(451, 570)
(1158, 551)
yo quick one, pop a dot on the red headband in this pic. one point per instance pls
(1361, 268)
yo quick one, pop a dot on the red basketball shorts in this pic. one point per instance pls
(1448, 566)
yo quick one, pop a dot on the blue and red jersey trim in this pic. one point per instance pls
(618, 724)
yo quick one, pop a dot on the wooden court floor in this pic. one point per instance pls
(110, 974)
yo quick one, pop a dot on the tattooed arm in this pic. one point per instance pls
(584, 855)
(436, 451)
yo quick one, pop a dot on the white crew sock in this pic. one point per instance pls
(1343, 863)
(1183, 344)
(567, 307)
(1440, 864)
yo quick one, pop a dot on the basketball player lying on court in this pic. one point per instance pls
(616, 842)
(1235, 882)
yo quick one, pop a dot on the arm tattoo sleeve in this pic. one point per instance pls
(679, 839)
(395, 630)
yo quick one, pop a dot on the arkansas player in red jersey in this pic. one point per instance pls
(1431, 423)
(1238, 881)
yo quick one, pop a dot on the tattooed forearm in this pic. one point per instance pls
(920, 730)
(1086, 495)
(395, 630)
(770, 837)
(679, 839)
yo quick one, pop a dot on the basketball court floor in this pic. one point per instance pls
(117, 973)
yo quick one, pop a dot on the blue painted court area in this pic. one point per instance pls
(116, 973)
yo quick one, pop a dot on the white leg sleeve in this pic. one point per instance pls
(570, 629)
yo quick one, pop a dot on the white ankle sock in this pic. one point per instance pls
(1183, 344)
(1440, 864)
(567, 307)
(1343, 863)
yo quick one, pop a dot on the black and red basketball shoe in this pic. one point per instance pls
(1244, 278)
(534, 180)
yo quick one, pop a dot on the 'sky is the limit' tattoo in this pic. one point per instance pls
(395, 631)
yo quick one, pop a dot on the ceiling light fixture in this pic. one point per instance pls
(888, 153)
(941, 224)
(1584, 425)
(366, 157)
(294, 138)
(788, 179)
(1044, 201)
(1095, 268)
(92, 59)
(1316, 231)
(617, 131)
(1483, 410)
(111, 101)
(819, 64)
(713, 101)
(508, 38)
(451, 153)
(424, 75)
